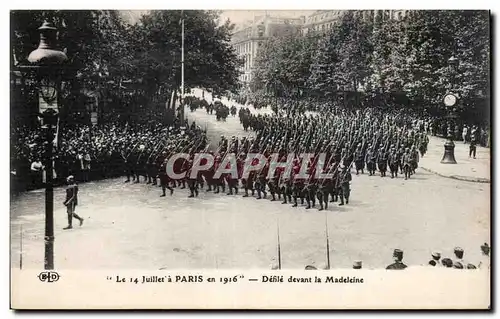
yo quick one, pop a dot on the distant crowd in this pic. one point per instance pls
(88, 153)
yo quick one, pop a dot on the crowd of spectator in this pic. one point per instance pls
(87, 152)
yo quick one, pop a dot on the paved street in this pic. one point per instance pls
(468, 169)
(130, 226)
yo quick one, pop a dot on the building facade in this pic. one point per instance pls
(323, 20)
(249, 37)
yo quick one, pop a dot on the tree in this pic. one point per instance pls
(133, 64)
(282, 68)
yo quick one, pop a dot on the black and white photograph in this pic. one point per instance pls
(263, 140)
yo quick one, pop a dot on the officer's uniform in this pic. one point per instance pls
(71, 202)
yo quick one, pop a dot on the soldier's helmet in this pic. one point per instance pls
(310, 267)
(70, 178)
(357, 264)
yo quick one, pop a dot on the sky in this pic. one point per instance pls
(236, 16)
(240, 16)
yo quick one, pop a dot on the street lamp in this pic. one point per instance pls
(46, 63)
(450, 101)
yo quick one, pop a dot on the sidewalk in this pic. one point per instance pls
(466, 169)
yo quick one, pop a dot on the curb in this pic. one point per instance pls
(460, 178)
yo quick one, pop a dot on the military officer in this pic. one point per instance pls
(71, 201)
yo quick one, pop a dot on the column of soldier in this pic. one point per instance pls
(365, 138)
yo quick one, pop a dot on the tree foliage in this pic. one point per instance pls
(406, 58)
(134, 64)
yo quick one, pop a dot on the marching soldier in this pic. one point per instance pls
(298, 186)
(286, 188)
(359, 160)
(191, 180)
(140, 165)
(261, 181)
(382, 162)
(406, 163)
(322, 193)
(311, 189)
(345, 180)
(393, 163)
(370, 159)
(219, 182)
(232, 182)
(164, 178)
(414, 159)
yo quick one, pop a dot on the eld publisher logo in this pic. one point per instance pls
(48, 276)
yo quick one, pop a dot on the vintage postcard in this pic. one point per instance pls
(250, 159)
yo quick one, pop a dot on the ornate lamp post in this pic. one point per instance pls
(46, 64)
(450, 100)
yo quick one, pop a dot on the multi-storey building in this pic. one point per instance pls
(248, 37)
(323, 20)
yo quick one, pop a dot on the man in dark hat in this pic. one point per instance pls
(459, 256)
(398, 261)
(485, 257)
(71, 201)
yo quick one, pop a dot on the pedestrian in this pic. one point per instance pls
(472, 147)
(464, 134)
(86, 160)
(71, 201)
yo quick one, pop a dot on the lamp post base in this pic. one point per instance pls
(49, 253)
(449, 153)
